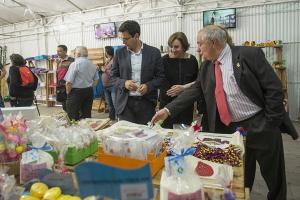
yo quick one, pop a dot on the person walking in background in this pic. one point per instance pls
(109, 90)
(80, 78)
(2, 75)
(63, 64)
(240, 89)
(21, 82)
(181, 70)
(137, 72)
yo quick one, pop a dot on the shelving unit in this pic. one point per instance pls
(280, 70)
(45, 92)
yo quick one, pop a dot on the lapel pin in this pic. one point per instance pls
(238, 65)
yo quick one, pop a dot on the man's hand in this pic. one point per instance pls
(131, 85)
(175, 90)
(143, 89)
(160, 115)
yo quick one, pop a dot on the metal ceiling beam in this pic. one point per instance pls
(73, 4)
(5, 20)
(26, 7)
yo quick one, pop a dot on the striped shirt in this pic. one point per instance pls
(240, 106)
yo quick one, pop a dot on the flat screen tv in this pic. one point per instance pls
(105, 30)
(223, 17)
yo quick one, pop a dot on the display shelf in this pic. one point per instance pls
(47, 80)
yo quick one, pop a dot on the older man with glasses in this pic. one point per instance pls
(136, 73)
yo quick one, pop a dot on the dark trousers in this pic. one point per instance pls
(79, 103)
(64, 105)
(138, 110)
(264, 145)
(110, 98)
(1, 101)
(21, 102)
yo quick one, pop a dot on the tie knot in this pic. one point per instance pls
(217, 63)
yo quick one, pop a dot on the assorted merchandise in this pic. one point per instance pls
(124, 140)
(220, 148)
(12, 137)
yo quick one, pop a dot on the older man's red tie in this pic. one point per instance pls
(220, 96)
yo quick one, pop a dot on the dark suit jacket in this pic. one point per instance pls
(256, 79)
(152, 74)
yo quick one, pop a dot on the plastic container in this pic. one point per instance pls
(156, 163)
(74, 155)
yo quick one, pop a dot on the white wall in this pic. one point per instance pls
(159, 20)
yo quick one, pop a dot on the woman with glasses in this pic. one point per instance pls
(181, 70)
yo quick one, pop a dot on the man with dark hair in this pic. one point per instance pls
(63, 64)
(137, 72)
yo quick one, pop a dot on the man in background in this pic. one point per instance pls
(80, 79)
(63, 64)
(137, 72)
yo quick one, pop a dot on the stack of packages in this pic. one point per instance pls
(70, 144)
(124, 142)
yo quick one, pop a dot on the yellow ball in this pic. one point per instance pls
(27, 197)
(38, 190)
(52, 194)
(65, 197)
(20, 149)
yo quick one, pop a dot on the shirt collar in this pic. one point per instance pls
(224, 53)
(64, 59)
(139, 52)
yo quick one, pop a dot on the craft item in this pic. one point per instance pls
(204, 169)
(230, 155)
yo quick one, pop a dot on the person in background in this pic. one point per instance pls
(241, 89)
(63, 64)
(80, 78)
(108, 87)
(2, 75)
(20, 96)
(181, 70)
(136, 73)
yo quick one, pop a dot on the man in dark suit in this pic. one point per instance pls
(136, 73)
(239, 88)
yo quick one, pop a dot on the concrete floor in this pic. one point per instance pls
(259, 192)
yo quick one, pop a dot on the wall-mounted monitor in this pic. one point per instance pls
(223, 17)
(105, 30)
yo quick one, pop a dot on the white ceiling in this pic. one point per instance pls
(12, 11)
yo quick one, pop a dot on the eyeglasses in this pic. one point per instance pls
(125, 39)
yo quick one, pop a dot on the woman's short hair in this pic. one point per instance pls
(109, 50)
(17, 60)
(182, 39)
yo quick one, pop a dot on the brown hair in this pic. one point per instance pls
(181, 37)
